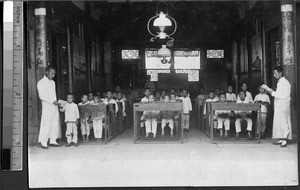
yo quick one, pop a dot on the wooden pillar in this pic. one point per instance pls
(88, 59)
(40, 40)
(288, 52)
(108, 64)
(249, 56)
(70, 61)
(238, 66)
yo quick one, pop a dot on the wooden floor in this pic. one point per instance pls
(196, 162)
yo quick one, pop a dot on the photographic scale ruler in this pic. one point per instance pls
(13, 80)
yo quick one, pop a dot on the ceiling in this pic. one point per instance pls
(198, 22)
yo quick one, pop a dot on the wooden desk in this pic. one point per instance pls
(89, 109)
(212, 106)
(140, 107)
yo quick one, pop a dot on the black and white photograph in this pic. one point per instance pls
(154, 93)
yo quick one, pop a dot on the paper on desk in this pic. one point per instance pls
(62, 102)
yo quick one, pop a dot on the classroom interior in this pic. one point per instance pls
(96, 46)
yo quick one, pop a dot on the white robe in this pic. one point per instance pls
(50, 127)
(282, 127)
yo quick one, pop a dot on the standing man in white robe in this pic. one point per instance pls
(282, 128)
(50, 122)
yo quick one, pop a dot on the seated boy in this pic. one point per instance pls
(121, 99)
(163, 93)
(201, 96)
(97, 118)
(223, 117)
(157, 97)
(211, 98)
(145, 98)
(109, 100)
(264, 100)
(243, 115)
(90, 98)
(230, 96)
(84, 120)
(168, 117)
(150, 118)
(248, 94)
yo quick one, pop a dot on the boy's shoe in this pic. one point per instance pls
(237, 135)
(162, 135)
(76, 144)
(172, 135)
(154, 135)
(68, 145)
(262, 136)
(45, 147)
(187, 130)
(226, 134)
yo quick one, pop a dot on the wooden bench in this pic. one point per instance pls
(138, 108)
(212, 106)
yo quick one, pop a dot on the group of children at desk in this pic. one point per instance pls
(151, 118)
(223, 116)
(88, 121)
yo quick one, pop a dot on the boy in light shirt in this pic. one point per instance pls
(97, 118)
(71, 120)
(145, 98)
(90, 98)
(248, 94)
(243, 115)
(211, 98)
(84, 120)
(150, 118)
(223, 117)
(230, 96)
(264, 100)
(168, 117)
(187, 108)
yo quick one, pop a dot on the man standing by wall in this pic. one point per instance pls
(50, 122)
(282, 128)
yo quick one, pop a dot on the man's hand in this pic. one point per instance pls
(56, 103)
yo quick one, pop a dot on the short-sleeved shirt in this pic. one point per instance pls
(145, 100)
(263, 98)
(230, 97)
(248, 97)
(187, 104)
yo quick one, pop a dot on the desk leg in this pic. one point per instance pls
(181, 127)
(211, 125)
(134, 127)
(105, 129)
(259, 126)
